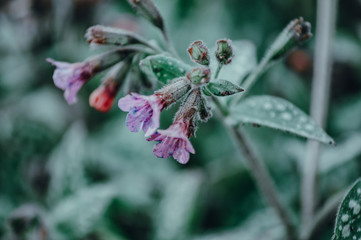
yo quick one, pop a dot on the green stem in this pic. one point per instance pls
(169, 43)
(259, 172)
(218, 70)
(326, 15)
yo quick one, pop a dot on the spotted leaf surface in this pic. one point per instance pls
(163, 68)
(223, 88)
(279, 114)
(348, 221)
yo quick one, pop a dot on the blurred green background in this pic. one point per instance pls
(70, 172)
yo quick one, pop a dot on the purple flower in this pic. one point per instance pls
(173, 142)
(144, 111)
(70, 77)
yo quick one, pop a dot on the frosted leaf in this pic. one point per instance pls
(163, 68)
(279, 114)
(349, 218)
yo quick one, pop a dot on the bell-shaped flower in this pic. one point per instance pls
(174, 141)
(70, 77)
(144, 111)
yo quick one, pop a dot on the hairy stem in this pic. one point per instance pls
(218, 70)
(260, 173)
(320, 98)
(169, 43)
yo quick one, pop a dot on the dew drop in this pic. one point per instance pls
(309, 127)
(344, 218)
(359, 190)
(267, 106)
(346, 231)
(286, 116)
(281, 107)
(355, 206)
(303, 119)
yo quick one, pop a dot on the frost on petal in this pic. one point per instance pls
(71, 92)
(181, 154)
(129, 101)
(173, 142)
(137, 117)
(144, 112)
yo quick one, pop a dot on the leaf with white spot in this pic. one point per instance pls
(163, 68)
(348, 220)
(223, 88)
(279, 114)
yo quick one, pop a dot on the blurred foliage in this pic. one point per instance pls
(69, 172)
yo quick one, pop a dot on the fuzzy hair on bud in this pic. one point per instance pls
(148, 9)
(111, 36)
(199, 53)
(199, 76)
(224, 52)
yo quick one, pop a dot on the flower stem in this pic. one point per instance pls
(260, 174)
(326, 15)
(169, 43)
(218, 70)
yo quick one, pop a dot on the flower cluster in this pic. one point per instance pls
(123, 62)
(70, 77)
(144, 111)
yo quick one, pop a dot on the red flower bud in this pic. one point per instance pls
(103, 97)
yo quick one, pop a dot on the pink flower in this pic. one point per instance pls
(70, 77)
(144, 111)
(173, 142)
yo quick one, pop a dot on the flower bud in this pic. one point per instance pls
(199, 53)
(296, 33)
(224, 52)
(174, 91)
(103, 97)
(109, 35)
(199, 76)
(149, 11)
(205, 112)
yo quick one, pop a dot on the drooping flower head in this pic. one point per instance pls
(70, 77)
(174, 141)
(144, 111)
(103, 97)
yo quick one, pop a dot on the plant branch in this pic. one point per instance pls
(169, 43)
(320, 99)
(218, 70)
(260, 174)
(321, 216)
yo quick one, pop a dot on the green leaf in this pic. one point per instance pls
(206, 91)
(178, 205)
(79, 214)
(163, 68)
(348, 220)
(223, 88)
(66, 164)
(279, 114)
